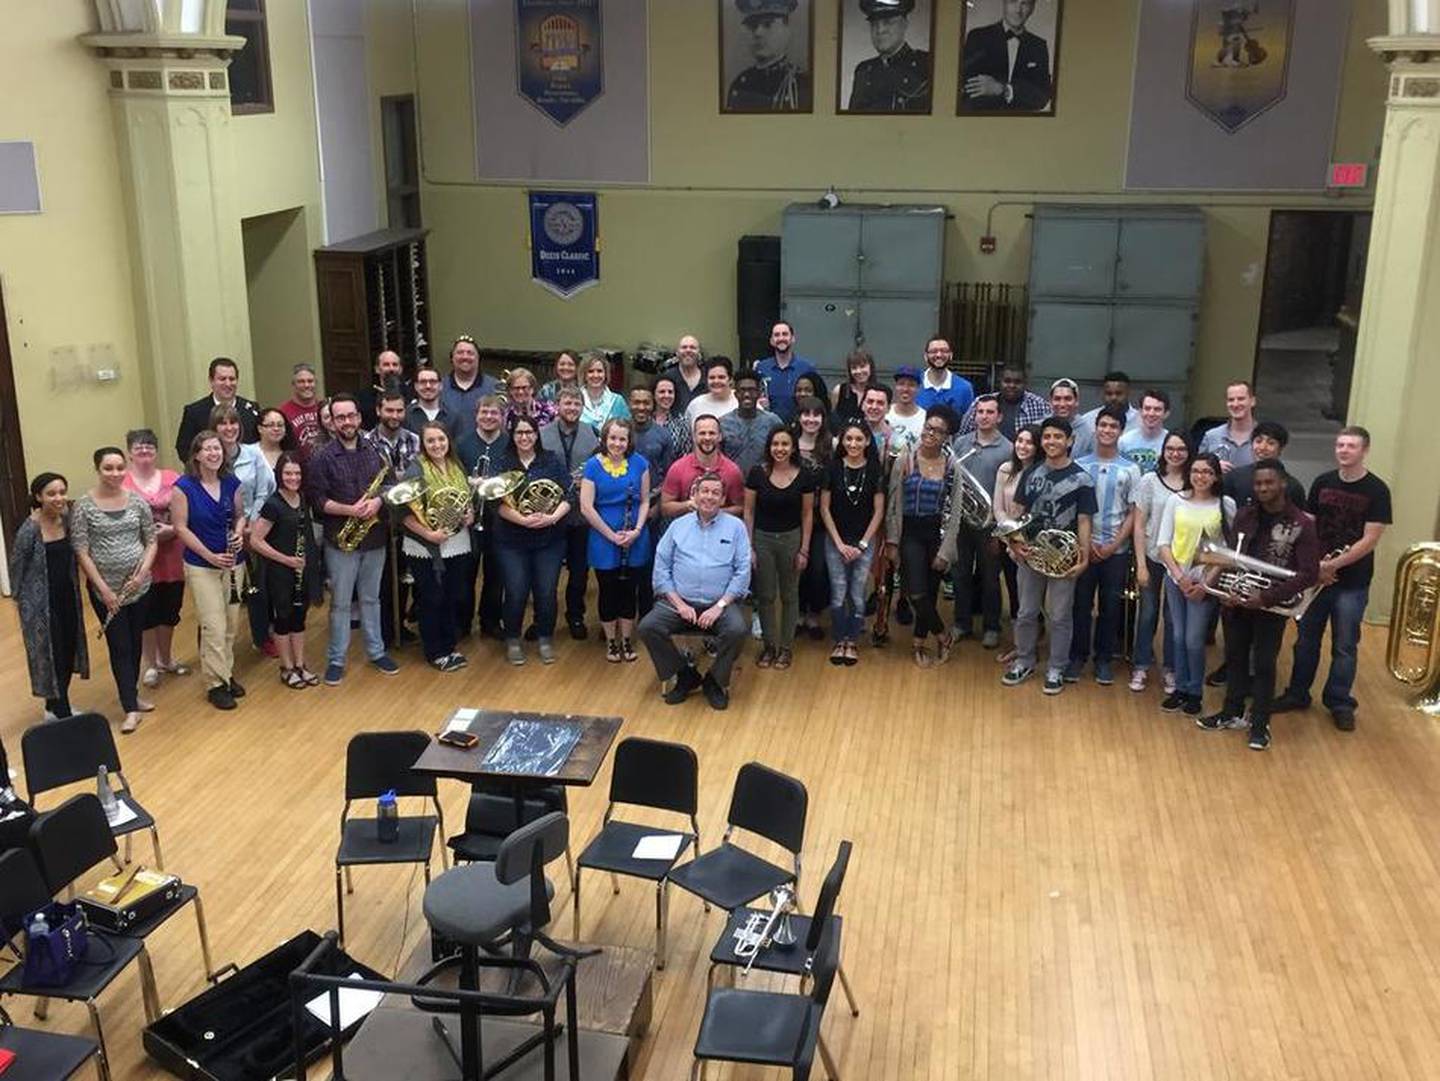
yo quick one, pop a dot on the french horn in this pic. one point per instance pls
(1053, 553)
(1413, 654)
(539, 496)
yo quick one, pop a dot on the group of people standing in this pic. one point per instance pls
(686, 496)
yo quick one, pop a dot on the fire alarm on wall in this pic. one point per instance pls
(987, 245)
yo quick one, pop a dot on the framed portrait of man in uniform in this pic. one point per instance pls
(885, 63)
(1009, 57)
(767, 49)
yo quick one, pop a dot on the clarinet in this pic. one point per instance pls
(232, 545)
(624, 525)
(297, 592)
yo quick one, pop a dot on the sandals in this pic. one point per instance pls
(922, 656)
(130, 723)
(175, 668)
(851, 658)
(310, 678)
(837, 655)
(293, 678)
(151, 678)
(766, 658)
(782, 659)
(943, 645)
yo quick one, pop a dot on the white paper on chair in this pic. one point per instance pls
(122, 814)
(658, 846)
(354, 1004)
(460, 720)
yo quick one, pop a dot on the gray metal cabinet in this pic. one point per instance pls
(862, 275)
(1116, 287)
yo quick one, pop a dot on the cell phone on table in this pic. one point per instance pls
(459, 738)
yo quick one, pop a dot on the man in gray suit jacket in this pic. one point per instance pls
(573, 443)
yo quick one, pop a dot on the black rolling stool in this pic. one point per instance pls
(483, 906)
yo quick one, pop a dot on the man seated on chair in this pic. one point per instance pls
(702, 567)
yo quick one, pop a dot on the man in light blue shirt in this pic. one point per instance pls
(1117, 483)
(702, 567)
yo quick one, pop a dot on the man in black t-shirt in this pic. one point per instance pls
(1351, 507)
(1057, 494)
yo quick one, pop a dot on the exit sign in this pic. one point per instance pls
(1348, 174)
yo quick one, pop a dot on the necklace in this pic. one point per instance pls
(854, 483)
(615, 469)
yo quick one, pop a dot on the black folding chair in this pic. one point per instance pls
(23, 891)
(809, 929)
(44, 1056)
(766, 1028)
(75, 837)
(648, 773)
(764, 802)
(376, 763)
(57, 753)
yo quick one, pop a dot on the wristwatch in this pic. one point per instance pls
(863, 545)
(722, 603)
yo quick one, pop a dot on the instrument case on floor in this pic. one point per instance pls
(241, 1029)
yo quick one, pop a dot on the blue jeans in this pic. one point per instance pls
(848, 582)
(349, 571)
(1189, 626)
(1342, 609)
(526, 570)
(1149, 618)
(1106, 577)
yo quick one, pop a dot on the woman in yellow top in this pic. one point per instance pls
(1194, 515)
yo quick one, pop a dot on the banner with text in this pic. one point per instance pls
(564, 240)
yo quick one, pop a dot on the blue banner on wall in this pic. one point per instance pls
(559, 62)
(565, 240)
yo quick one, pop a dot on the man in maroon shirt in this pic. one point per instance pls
(302, 411)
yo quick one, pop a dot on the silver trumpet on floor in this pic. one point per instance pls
(1242, 577)
(765, 929)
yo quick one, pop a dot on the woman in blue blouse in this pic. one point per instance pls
(599, 402)
(208, 517)
(614, 490)
(530, 547)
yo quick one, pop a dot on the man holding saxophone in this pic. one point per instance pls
(343, 485)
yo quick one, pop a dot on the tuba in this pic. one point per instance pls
(1242, 577)
(976, 509)
(1413, 654)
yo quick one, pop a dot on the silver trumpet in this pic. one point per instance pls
(765, 929)
(1242, 577)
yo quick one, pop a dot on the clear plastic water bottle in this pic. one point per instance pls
(109, 803)
(38, 925)
(387, 818)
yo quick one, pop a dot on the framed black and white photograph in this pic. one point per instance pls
(1009, 57)
(767, 49)
(886, 60)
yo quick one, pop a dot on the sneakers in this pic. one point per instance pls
(1167, 680)
(220, 697)
(151, 678)
(1172, 702)
(1217, 678)
(1192, 705)
(1054, 681)
(1289, 703)
(1017, 674)
(1138, 678)
(514, 651)
(450, 663)
(546, 648)
(1259, 739)
(1104, 673)
(334, 673)
(385, 666)
(990, 639)
(578, 630)
(1217, 722)
(1072, 671)
(1344, 719)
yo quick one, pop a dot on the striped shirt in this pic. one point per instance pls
(1117, 487)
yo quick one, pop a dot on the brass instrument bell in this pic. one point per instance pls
(1413, 653)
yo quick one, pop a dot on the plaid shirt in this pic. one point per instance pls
(399, 454)
(343, 475)
(1032, 410)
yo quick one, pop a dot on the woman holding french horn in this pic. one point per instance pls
(530, 539)
(283, 538)
(436, 543)
(614, 494)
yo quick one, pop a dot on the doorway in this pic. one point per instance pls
(14, 486)
(1309, 312)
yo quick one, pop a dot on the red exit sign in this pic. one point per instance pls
(1348, 174)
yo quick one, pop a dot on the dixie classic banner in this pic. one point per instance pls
(564, 240)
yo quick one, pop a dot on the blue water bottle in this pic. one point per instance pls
(387, 818)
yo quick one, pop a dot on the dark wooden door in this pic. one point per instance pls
(14, 484)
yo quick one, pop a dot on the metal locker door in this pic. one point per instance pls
(1073, 256)
(1161, 257)
(901, 251)
(824, 330)
(1068, 339)
(819, 251)
(1153, 342)
(895, 330)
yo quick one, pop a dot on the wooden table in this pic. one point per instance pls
(596, 736)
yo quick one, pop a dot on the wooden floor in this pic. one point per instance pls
(1079, 887)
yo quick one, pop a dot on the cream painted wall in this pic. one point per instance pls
(66, 271)
(280, 282)
(669, 249)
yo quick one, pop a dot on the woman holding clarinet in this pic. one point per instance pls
(281, 536)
